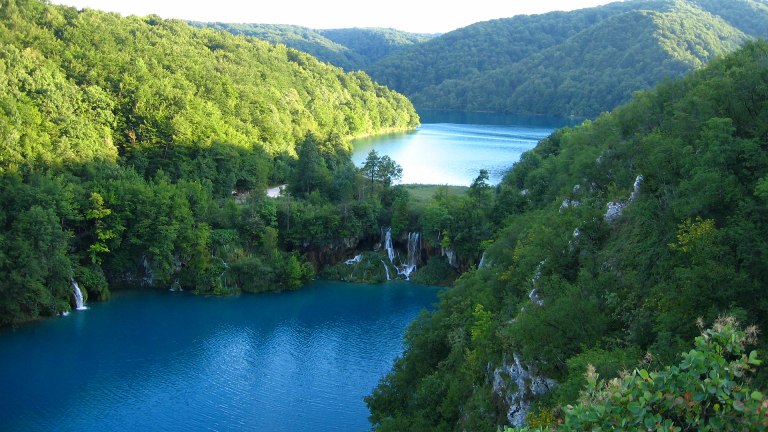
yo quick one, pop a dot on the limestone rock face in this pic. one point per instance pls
(517, 386)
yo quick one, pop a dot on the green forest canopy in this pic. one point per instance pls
(609, 242)
(122, 141)
(348, 48)
(578, 63)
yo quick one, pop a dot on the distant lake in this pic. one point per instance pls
(451, 147)
(160, 361)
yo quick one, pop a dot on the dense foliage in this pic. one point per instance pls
(138, 150)
(608, 241)
(709, 390)
(350, 49)
(578, 63)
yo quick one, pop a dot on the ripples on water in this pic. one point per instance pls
(176, 362)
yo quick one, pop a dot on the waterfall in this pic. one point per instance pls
(386, 269)
(406, 271)
(451, 255)
(636, 188)
(149, 275)
(388, 245)
(354, 260)
(414, 255)
(79, 305)
(412, 260)
(481, 264)
(414, 248)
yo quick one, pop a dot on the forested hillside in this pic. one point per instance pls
(351, 49)
(138, 150)
(578, 63)
(613, 244)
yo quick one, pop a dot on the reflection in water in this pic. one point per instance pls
(452, 148)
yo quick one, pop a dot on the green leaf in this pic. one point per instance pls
(738, 405)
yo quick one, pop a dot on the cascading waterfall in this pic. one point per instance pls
(79, 304)
(414, 255)
(451, 255)
(412, 260)
(388, 245)
(354, 260)
(386, 269)
(414, 248)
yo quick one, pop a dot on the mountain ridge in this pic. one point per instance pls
(512, 64)
(348, 48)
(689, 36)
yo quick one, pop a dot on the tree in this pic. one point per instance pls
(311, 173)
(370, 168)
(381, 169)
(389, 171)
(97, 213)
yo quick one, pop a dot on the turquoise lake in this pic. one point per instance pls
(451, 147)
(162, 361)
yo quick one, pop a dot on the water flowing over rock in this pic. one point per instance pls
(482, 262)
(354, 260)
(149, 275)
(636, 188)
(414, 255)
(331, 251)
(400, 267)
(386, 269)
(414, 249)
(451, 255)
(388, 245)
(79, 304)
(406, 271)
(518, 385)
(413, 258)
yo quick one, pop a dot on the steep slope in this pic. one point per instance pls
(350, 49)
(137, 150)
(749, 16)
(613, 239)
(373, 44)
(485, 46)
(596, 69)
(301, 38)
(172, 85)
(578, 63)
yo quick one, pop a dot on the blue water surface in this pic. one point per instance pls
(162, 361)
(452, 147)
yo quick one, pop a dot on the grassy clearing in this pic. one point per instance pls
(422, 194)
